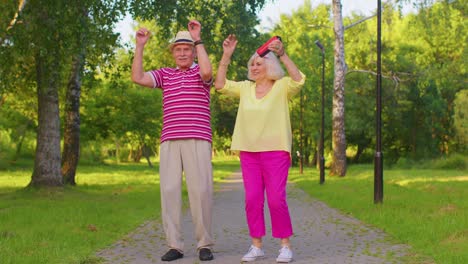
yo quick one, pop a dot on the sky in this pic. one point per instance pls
(271, 12)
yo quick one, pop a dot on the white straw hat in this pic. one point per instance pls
(182, 37)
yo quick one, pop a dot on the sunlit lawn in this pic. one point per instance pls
(427, 209)
(69, 225)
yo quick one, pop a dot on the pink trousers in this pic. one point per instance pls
(266, 172)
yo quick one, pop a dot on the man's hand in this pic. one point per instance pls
(142, 36)
(194, 27)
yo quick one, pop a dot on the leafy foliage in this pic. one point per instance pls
(424, 71)
(461, 121)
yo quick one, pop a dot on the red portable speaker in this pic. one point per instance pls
(263, 50)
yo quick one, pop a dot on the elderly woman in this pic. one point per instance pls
(262, 136)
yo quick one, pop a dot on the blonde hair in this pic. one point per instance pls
(272, 64)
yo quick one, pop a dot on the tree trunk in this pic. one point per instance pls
(315, 159)
(360, 150)
(130, 154)
(137, 154)
(306, 150)
(2, 99)
(117, 151)
(338, 166)
(19, 146)
(146, 153)
(71, 138)
(4, 38)
(47, 160)
(22, 134)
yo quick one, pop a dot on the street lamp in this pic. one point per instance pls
(322, 123)
(378, 159)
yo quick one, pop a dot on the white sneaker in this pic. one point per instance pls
(285, 255)
(253, 254)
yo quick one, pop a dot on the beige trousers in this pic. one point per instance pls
(193, 158)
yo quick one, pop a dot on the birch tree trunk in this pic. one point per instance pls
(21, 5)
(4, 38)
(71, 137)
(338, 166)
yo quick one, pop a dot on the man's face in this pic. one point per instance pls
(184, 55)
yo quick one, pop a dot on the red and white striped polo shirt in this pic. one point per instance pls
(186, 103)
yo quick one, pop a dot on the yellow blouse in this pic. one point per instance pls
(263, 124)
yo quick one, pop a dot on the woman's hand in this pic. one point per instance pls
(229, 44)
(277, 47)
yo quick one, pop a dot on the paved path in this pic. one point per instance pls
(322, 235)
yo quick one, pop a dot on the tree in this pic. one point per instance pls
(443, 32)
(46, 52)
(71, 138)
(46, 39)
(360, 83)
(461, 120)
(49, 38)
(338, 135)
(13, 18)
(9, 13)
(92, 44)
(299, 32)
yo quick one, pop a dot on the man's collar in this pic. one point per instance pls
(191, 67)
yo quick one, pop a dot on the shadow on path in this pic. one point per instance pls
(322, 235)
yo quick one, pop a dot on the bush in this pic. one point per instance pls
(6, 149)
(405, 163)
(454, 161)
(3, 163)
(91, 153)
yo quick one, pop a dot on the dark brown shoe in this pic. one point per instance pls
(205, 254)
(171, 255)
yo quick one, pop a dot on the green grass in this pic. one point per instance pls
(427, 209)
(68, 225)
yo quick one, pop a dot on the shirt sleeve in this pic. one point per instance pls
(295, 87)
(158, 76)
(152, 78)
(232, 88)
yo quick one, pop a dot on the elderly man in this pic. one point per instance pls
(185, 136)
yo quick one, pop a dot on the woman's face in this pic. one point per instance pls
(258, 69)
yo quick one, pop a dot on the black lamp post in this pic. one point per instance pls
(321, 157)
(378, 159)
(301, 130)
